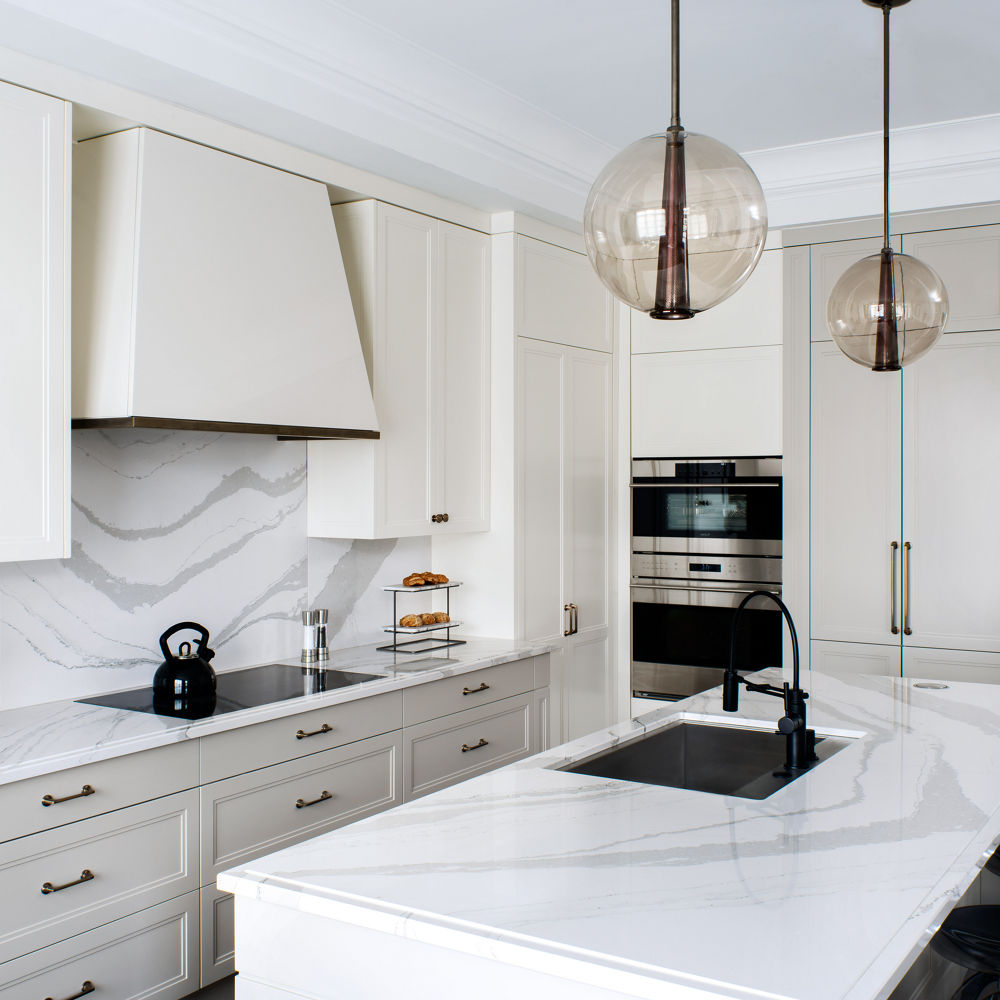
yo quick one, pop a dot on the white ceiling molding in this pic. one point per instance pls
(932, 166)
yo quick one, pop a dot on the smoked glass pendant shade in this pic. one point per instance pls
(887, 310)
(675, 223)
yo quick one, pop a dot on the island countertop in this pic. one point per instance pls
(829, 888)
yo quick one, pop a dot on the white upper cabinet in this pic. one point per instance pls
(750, 317)
(829, 262)
(209, 288)
(968, 261)
(34, 326)
(722, 403)
(421, 297)
(559, 298)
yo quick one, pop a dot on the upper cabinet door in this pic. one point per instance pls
(968, 261)
(750, 317)
(829, 261)
(460, 381)
(855, 500)
(559, 298)
(34, 327)
(951, 408)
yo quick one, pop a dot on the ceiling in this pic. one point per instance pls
(517, 104)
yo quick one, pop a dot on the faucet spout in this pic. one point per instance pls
(799, 740)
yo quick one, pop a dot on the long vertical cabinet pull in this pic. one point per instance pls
(906, 589)
(893, 549)
(569, 608)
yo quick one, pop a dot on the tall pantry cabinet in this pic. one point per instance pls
(544, 572)
(34, 325)
(904, 472)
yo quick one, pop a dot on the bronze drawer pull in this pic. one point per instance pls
(302, 734)
(324, 795)
(85, 876)
(482, 687)
(87, 987)
(51, 800)
(475, 746)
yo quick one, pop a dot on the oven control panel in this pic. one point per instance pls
(652, 566)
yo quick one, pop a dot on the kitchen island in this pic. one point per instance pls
(535, 881)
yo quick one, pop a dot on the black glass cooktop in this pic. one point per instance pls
(239, 689)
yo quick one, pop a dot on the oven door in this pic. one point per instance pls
(734, 518)
(680, 638)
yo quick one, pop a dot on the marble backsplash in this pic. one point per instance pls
(172, 526)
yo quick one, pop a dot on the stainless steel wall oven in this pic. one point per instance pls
(706, 532)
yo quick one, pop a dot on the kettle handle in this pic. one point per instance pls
(203, 651)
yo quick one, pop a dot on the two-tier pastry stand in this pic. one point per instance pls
(397, 630)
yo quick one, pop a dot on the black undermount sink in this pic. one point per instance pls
(702, 757)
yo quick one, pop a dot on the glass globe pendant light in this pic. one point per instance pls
(888, 309)
(676, 222)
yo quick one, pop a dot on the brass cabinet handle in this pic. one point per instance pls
(51, 800)
(302, 734)
(569, 608)
(87, 987)
(906, 589)
(439, 518)
(893, 627)
(482, 687)
(576, 618)
(85, 876)
(475, 746)
(324, 795)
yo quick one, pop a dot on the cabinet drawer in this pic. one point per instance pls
(218, 935)
(136, 857)
(150, 954)
(454, 694)
(442, 752)
(251, 747)
(253, 814)
(118, 782)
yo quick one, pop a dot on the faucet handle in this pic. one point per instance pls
(787, 724)
(731, 692)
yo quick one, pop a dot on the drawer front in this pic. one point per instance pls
(218, 935)
(51, 800)
(445, 751)
(145, 956)
(253, 814)
(252, 747)
(66, 881)
(455, 694)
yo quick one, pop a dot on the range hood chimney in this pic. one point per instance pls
(209, 293)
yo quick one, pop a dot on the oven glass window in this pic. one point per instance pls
(703, 512)
(707, 511)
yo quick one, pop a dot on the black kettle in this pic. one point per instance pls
(184, 684)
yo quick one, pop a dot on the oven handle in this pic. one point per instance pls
(702, 486)
(749, 589)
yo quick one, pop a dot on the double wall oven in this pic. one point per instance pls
(705, 533)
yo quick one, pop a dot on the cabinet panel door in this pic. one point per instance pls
(540, 473)
(855, 499)
(854, 658)
(828, 262)
(951, 409)
(951, 665)
(585, 686)
(968, 261)
(559, 298)
(460, 381)
(708, 403)
(750, 317)
(34, 326)
(403, 322)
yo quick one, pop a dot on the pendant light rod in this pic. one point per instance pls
(675, 64)
(885, 124)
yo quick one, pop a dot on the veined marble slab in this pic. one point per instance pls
(827, 889)
(40, 739)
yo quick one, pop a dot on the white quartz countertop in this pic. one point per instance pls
(827, 889)
(40, 739)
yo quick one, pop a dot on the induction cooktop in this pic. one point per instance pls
(239, 689)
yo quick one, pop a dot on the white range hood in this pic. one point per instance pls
(209, 293)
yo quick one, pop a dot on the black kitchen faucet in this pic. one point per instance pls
(800, 742)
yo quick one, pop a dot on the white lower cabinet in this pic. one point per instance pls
(854, 658)
(218, 934)
(151, 954)
(951, 665)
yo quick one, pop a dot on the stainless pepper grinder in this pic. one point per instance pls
(310, 637)
(322, 619)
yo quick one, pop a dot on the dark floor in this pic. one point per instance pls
(217, 991)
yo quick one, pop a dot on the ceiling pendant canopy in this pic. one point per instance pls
(889, 309)
(676, 222)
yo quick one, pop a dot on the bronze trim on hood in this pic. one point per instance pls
(287, 431)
